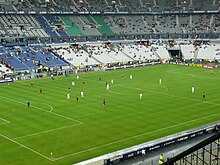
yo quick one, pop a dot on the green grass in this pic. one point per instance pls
(75, 132)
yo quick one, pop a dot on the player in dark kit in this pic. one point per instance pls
(69, 88)
(28, 103)
(77, 99)
(104, 102)
(41, 90)
(204, 95)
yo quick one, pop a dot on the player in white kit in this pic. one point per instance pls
(112, 81)
(193, 89)
(141, 96)
(68, 96)
(107, 86)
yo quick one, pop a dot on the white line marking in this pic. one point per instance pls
(133, 137)
(108, 144)
(139, 89)
(51, 108)
(26, 147)
(185, 98)
(5, 121)
(54, 113)
(50, 130)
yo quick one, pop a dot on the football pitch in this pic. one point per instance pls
(55, 130)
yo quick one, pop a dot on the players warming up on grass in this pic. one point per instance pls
(82, 94)
(203, 95)
(160, 81)
(73, 83)
(104, 102)
(141, 96)
(100, 78)
(77, 99)
(77, 77)
(122, 76)
(193, 89)
(131, 77)
(28, 103)
(41, 90)
(112, 81)
(69, 88)
(68, 96)
(107, 86)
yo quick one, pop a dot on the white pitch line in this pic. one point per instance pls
(54, 113)
(26, 147)
(133, 137)
(185, 98)
(50, 130)
(51, 108)
(5, 121)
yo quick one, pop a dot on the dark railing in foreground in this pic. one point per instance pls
(206, 152)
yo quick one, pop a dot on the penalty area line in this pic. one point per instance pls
(22, 145)
(4, 121)
(136, 136)
(51, 107)
(50, 130)
(54, 113)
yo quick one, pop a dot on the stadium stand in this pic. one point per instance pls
(21, 25)
(188, 51)
(105, 34)
(28, 57)
(107, 5)
(71, 28)
(75, 55)
(161, 51)
(139, 52)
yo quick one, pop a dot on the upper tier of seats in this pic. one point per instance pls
(107, 5)
(108, 25)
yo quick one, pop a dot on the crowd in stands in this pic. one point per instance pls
(85, 55)
(107, 5)
(29, 57)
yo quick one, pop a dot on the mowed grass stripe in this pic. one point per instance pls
(126, 120)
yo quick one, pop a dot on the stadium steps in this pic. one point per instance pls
(196, 52)
(156, 54)
(96, 59)
(92, 56)
(128, 56)
(103, 28)
(44, 23)
(72, 30)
